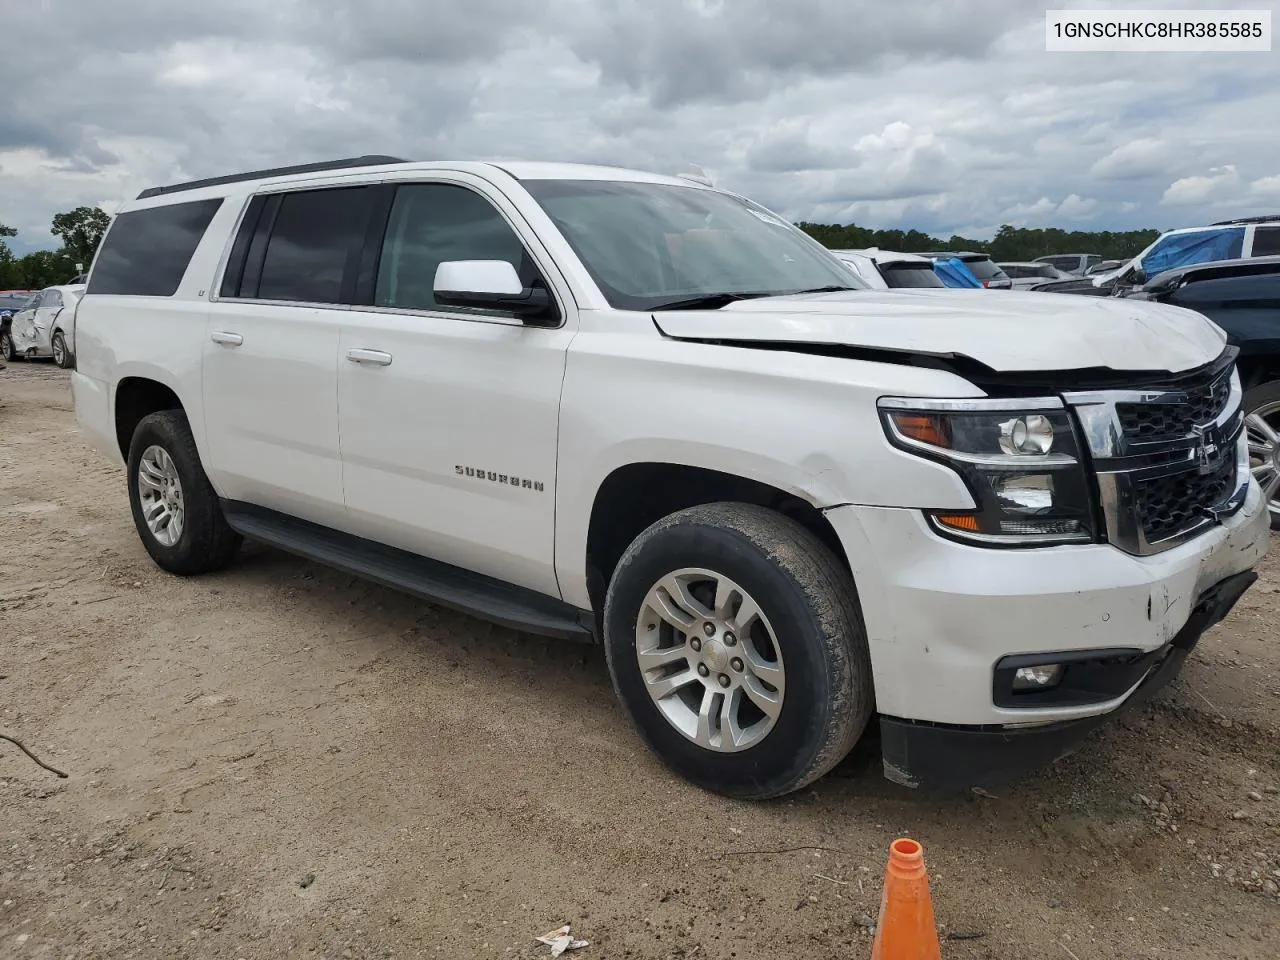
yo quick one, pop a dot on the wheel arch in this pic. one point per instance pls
(635, 495)
(136, 396)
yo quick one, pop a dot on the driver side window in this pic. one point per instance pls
(432, 223)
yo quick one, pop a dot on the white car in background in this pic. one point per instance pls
(888, 269)
(45, 326)
(1026, 275)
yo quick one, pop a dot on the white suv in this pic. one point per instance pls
(606, 405)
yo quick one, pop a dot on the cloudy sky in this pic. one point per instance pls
(944, 115)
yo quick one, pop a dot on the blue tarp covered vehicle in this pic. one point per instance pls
(954, 273)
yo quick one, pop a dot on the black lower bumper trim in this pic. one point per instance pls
(934, 756)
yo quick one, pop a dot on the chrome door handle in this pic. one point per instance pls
(376, 357)
(224, 337)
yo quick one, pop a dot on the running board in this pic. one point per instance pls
(440, 583)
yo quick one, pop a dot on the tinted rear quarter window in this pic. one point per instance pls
(910, 275)
(146, 252)
(984, 269)
(315, 240)
(1266, 241)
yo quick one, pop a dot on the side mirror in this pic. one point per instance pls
(491, 285)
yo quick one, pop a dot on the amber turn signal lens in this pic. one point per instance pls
(923, 428)
(959, 521)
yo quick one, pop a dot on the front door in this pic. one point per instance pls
(448, 416)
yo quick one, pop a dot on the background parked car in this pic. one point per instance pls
(11, 301)
(1225, 240)
(889, 269)
(1242, 297)
(1073, 264)
(1026, 275)
(980, 265)
(45, 326)
(953, 273)
(1104, 266)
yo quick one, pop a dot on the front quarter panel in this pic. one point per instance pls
(804, 424)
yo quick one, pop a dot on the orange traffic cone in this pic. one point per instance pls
(906, 930)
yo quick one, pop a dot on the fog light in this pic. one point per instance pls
(1037, 678)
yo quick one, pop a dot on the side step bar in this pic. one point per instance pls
(430, 580)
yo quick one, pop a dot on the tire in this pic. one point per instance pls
(1264, 401)
(61, 353)
(808, 600)
(204, 543)
(6, 347)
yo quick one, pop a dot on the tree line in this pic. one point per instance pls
(1009, 244)
(80, 231)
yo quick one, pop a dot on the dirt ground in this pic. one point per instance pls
(281, 761)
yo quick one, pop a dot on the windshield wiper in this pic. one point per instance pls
(708, 301)
(831, 289)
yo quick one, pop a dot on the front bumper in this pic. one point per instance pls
(939, 615)
(942, 757)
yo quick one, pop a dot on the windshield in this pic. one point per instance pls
(650, 245)
(910, 275)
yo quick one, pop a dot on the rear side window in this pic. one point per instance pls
(314, 244)
(1266, 241)
(910, 275)
(984, 269)
(146, 252)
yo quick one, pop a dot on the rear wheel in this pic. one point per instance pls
(6, 347)
(735, 644)
(1262, 422)
(175, 509)
(61, 355)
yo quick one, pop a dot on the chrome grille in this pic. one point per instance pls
(1170, 460)
(1168, 505)
(1164, 421)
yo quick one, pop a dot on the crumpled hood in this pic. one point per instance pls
(1008, 331)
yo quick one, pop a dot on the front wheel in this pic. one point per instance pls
(735, 644)
(1262, 423)
(61, 355)
(6, 347)
(175, 508)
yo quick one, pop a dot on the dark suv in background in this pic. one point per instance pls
(1243, 298)
(980, 265)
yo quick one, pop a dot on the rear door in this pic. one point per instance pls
(271, 351)
(51, 306)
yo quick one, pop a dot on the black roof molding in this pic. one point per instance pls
(373, 160)
(1268, 218)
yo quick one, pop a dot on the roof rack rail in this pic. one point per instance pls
(373, 160)
(1268, 218)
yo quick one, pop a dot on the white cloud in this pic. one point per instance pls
(1267, 188)
(1135, 160)
(1221, 183)
(1076, 207)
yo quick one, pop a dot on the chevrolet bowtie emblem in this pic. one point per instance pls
(1206, 451)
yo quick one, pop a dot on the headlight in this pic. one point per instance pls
(1019, 458)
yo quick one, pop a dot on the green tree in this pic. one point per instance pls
(9, 276)
(81, 231)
